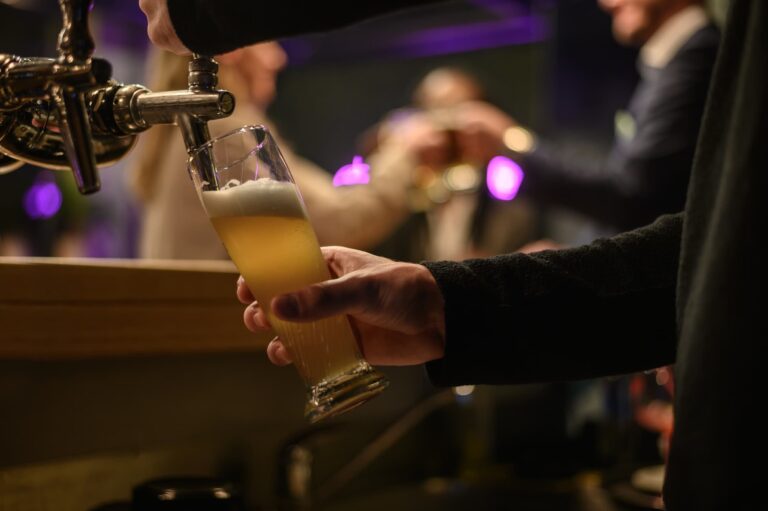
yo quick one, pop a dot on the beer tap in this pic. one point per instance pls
(67, 113)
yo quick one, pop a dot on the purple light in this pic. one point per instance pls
(503, 178)
(355, 173)
(473, 37)
(43, 199)
(373, 40)
(299, 50)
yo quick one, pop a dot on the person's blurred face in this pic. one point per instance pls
(446, 87)
(635, 21)
(258, 65)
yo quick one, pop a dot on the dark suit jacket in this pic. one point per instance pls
(646, 174)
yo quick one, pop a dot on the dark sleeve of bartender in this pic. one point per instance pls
(212, 27)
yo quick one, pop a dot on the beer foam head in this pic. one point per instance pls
(262, 197)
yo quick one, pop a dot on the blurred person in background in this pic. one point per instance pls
(175, 225)
(646, 172)
(454, 214)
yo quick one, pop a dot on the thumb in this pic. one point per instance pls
(346, 295)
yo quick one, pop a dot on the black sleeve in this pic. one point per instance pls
(646, 176)
(605, 308)
(212, 27)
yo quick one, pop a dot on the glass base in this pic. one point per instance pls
(344, 392)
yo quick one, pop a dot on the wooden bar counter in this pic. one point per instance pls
(84, 308)
(113, 372)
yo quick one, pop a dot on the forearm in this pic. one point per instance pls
(606, 308)
(624, 190)
(584, 183)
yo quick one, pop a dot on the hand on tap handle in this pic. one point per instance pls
(159, 27)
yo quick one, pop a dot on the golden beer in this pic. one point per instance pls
(249, 195)
(273, 245)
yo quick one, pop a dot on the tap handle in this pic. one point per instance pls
(76, 134)
(202, 73)
(75, 48)
(195, 133)
(75, 41)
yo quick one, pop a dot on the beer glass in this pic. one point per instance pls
(257, 210)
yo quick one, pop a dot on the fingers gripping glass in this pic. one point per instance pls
(252, 201)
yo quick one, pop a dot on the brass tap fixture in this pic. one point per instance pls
(68, 113)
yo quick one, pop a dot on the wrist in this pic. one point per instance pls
(433, 302)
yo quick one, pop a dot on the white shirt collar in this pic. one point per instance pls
(672, 35)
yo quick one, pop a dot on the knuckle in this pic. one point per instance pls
(366, 291)
(319, 296)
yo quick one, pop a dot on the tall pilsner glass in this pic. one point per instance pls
(257, 210)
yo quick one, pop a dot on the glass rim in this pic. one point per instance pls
(247, 127)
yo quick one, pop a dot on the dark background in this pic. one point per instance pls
(551, 65)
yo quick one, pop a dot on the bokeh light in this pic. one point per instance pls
(504, 178)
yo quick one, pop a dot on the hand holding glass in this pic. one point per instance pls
(257, 210)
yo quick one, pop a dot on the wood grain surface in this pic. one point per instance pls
(83, 308)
